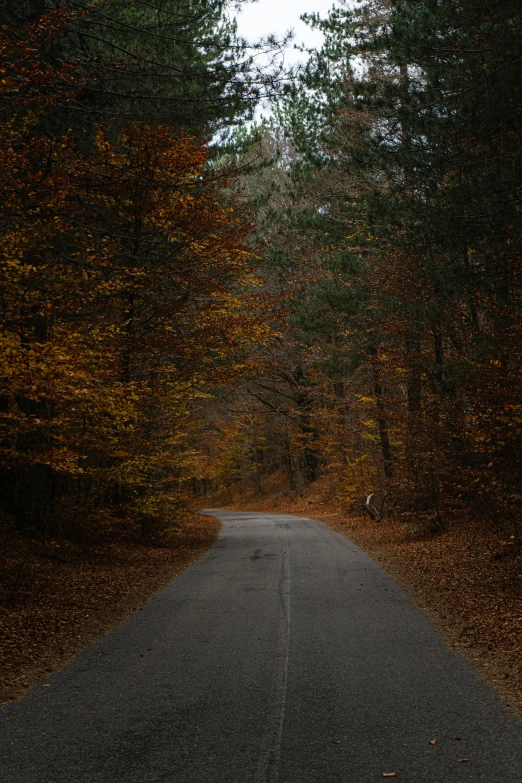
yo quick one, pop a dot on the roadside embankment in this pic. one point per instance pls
(469, 579)
(69, 597)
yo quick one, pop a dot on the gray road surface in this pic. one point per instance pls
(285, 655)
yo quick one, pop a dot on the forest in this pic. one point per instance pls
(195, 301)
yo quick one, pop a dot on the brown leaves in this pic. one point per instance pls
(27, 80)
(63, 607)
(122, 268)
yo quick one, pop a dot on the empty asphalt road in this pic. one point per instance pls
(285, 655)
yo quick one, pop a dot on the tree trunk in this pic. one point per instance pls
(414, 378)
(288, 462)
(383, 430)
(33, 498)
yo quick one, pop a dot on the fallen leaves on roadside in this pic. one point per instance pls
(478, 599)
(461, 760)
(389, 774)
(336, 742)
(433, 742)
(63, 606)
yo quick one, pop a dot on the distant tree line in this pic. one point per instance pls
(389, 213)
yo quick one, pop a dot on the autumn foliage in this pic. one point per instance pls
(342, 300)
(124, 282)
(391, 230)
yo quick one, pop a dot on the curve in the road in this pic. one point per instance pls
(212, 683)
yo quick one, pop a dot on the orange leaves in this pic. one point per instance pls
(125, 284)
(183, 244)
(126, 288)
(27, 80)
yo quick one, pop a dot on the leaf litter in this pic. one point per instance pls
(472, 590)
(62, 606)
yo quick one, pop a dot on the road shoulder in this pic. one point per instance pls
(67, 600)
(466, 580)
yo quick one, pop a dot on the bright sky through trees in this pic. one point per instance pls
(277, 16)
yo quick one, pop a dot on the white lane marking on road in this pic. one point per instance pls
(270, 749)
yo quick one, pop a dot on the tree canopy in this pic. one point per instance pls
(335, 294)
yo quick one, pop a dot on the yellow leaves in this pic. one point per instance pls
(366, 400)
(250, 280)
(133, 301)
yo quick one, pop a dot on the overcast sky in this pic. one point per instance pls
(277, 16)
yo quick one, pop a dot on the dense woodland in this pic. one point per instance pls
(193, 299)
